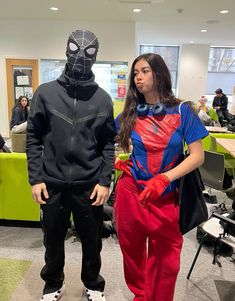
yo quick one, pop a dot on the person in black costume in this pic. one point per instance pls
(220, 104)
(70, 153)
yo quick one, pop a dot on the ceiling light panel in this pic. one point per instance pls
(224, 11)
(54, 8)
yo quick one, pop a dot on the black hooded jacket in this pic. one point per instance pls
(221, 102)
(70, 133)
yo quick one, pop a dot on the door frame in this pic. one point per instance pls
(10, 81)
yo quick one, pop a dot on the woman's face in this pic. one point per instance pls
(143, 77)
(23, 102)
(203, 102)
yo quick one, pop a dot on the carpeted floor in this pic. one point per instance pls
(12, 272)
(225, 289)
(208, 282)
(22, 255)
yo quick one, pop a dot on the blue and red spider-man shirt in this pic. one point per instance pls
(158, 141)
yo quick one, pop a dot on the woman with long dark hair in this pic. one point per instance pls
(146, 201)
(20, 115)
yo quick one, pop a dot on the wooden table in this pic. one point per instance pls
(228, 144)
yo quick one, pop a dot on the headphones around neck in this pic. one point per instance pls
(144, 109)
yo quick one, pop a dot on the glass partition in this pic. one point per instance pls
(111, 76)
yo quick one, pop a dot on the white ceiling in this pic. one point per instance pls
(174, 18)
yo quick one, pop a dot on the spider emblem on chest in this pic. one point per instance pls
(155, 128)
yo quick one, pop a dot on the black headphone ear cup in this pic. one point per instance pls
(158, 109)
(142, 109)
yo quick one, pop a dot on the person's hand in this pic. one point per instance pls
(39, 192)
(217, 108)
(123, 165)
(101, 193)
(154, 188)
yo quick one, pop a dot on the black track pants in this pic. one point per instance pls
(88, 220)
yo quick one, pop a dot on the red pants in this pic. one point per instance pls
(150, 241)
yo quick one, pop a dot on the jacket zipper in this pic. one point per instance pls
(72, 137)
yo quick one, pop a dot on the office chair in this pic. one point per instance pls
(229, 160)
(213, 227)
(213, 171)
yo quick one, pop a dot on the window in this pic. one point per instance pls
(111, 76)
(221, 72)
(170, 54)
(51, 69)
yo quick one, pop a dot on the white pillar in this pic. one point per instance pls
(193, 69)
(232, 107)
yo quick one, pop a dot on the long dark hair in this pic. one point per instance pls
(25, 110)
(19, 101)
(162, 79)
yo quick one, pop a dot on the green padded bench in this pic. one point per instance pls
(16, 201)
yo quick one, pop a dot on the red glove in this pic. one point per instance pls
(124, 166)
(154, 188)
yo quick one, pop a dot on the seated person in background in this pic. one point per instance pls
(20, 115)
(220, 104)
(203, 111)
(207, 114)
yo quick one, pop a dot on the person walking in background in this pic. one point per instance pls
(220, 104)
(19, 116)
(70, 152)
(146, 196)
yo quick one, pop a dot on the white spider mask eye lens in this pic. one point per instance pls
(73, 47)
(91, 51)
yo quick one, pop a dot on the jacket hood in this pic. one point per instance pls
(82, 89)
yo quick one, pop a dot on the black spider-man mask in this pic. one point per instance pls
(82, 48)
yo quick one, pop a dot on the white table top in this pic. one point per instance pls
(217, 129)
(228, 144)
